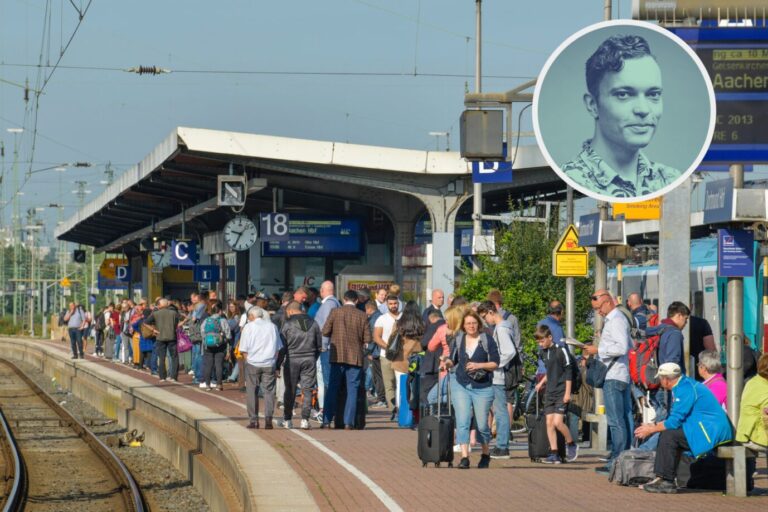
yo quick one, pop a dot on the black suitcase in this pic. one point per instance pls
(436, 434)
(538, 442)
(360, 412)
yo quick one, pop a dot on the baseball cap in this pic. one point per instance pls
(668, 370)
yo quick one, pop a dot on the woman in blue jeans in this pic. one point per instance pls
(475, 355)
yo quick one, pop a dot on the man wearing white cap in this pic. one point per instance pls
(696, 423)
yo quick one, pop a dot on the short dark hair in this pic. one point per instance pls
(542, 332)
(678, 307)
(350, 296)
(459, 300)
(293, 306)
(486, 307)
(610, 56)
(392, 297)
(371, 305)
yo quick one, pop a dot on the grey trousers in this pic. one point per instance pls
(259, 377)
(299, 372)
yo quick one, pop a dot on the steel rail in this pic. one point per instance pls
(132, 496)
(15, 499)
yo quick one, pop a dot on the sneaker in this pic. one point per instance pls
(204, 386)
(191, 372)
(317, 416)
(604, 459)
(173, 380)
(552, 459)
(464, 463)
(603, 470)
(571, 452)
(485, 461)
(268, 424)
(220, 388)
(661, 486)
(163, 380)
(305, 425)
(500, 453)
(253, 424)
(379, 405)
(288, 424)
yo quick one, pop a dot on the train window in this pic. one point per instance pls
(697, 303)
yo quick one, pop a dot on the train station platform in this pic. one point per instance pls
(335, 470)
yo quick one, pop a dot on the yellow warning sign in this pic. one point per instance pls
(568, 259)
(66, 283)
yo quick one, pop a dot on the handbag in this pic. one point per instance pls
(394, 346)
(597, 371)
(146, 330)
(183, 343)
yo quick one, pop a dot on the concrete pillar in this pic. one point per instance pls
(675, 255)
(254, 267)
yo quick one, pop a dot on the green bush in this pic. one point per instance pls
(522, 271)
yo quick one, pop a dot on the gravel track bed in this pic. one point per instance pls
(163, 487)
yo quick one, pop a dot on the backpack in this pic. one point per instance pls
(101, 324)
(575, 373)
(212, 334)
(644, 361)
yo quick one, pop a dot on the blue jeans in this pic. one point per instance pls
(352, 376)
(432, 394)
(118, 343)
(618, 411)
(76, 341)
(465, 399)
(368, 378)
(197, 362)
(323, 377)
(501, 414)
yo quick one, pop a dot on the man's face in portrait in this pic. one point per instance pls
(629, 105)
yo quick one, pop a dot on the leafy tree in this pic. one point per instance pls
(522, 271)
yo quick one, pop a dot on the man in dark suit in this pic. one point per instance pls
(347, 327)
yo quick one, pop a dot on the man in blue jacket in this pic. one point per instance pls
(696, 423)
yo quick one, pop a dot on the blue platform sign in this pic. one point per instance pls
(206, 273)
(737, 61)
(735, 253)
(589, 230)
(718, 201)
(492, 171)
(183, 254)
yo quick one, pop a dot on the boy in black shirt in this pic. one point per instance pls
(559, 380)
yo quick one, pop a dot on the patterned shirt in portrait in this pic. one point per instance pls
(589, 170)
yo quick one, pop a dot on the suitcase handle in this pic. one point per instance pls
(440, 393)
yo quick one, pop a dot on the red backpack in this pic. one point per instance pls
(643, 359)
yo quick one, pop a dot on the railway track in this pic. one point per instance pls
(50, 460)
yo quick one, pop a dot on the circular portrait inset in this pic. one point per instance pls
(624, 111)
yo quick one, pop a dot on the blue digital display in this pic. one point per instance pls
(736, 59)
(317, 236)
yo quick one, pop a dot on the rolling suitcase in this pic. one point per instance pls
(435, 434)
(538, 442)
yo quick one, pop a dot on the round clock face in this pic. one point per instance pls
(240, 233)
(161, 259)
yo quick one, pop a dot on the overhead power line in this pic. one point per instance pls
(158, 70)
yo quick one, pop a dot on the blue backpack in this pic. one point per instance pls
(212, 334)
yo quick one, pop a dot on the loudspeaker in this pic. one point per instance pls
(79, 256)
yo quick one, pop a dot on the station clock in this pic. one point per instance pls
(240, 233)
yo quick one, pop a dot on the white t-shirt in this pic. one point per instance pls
(387, 323)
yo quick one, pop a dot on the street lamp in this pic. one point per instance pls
(437, 136)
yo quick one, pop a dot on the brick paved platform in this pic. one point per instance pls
(377, 469)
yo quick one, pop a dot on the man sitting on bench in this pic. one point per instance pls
(696, 423)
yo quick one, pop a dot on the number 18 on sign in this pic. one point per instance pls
(273, 227)
(568, 259)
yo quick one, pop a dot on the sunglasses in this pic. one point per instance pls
(595, 297)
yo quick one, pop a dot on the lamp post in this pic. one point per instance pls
(437, 136)
(15, 217)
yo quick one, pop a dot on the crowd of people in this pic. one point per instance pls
(370, 349)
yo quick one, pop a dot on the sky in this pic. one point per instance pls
(377, 72)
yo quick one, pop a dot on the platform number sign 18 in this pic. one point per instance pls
(273, 226)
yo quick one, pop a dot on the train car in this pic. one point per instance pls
(708, 291)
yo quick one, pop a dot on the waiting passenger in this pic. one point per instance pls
(711, 370)
(696, 423)
(753, 415)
